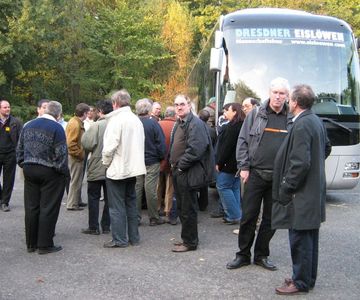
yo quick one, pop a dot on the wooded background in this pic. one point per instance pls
(81, 50)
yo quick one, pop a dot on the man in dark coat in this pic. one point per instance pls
(299, 189)
(192, 163)
(10, 128)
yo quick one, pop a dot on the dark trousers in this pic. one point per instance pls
(186, 201)
(304, 245)
(43, 192)
(8, 166)
(94, 194)
(203, 200)
(257, 190)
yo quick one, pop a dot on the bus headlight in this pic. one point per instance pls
(349, 167)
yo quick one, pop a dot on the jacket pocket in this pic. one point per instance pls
(284, 197)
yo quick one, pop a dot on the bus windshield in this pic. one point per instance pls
(327, 66)
(327, 61)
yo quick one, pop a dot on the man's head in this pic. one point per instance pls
(82, 110)
(120, 99)
(204, 115)
(41, 106)
(143, 107)
(92, 114)
(249, 104)
(54, 109)
(182, 105)
(156, 109)
(4, 109)
(279, 93)
(212, 102)
(170, 112)
(104, 107)
(302, 98)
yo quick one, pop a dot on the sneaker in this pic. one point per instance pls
(5, 207)
(236, 231)
(112, 244)
(154, 222)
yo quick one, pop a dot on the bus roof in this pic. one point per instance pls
(257, 16)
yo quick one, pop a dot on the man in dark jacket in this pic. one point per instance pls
(155, 150)
(10, 128)
(92, 142)
(260, 138)
(299, 189)
(192, 162)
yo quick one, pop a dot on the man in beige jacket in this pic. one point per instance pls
(123, 155)
(74, 132)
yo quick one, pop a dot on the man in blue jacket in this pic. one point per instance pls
(155, 150)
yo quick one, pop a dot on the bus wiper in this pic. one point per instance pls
(337, 124)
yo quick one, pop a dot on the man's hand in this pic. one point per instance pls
(244, 175)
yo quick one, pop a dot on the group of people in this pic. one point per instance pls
(268, 161)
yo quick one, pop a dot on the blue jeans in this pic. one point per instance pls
(228, 187)
(123, 211)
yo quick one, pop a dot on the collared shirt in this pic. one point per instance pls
(3, 121)
(294, 118)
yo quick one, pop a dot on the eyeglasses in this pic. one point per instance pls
(182, 104)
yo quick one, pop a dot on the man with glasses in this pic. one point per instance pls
(190, 149)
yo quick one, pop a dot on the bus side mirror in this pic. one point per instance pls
(219, 36)
(216, 59)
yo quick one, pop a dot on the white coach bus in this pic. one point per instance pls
(253, 46)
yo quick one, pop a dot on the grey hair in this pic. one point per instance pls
(54, 109)
(143, 106)
(182, 96)
(280, 82)
(303, 95)
(170, 112)
(121, 98)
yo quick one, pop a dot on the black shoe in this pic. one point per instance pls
(75, 208)
(154, 222)
(217, 214)
(90, 231)
(49, 249)
(238, 262)
(31, 249)
(5, 207)
(265, 263)
(106, 230)
(82, 204)
(227, 222)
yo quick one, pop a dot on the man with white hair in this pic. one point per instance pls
(259, 140)
(43, 155)
(123, 156)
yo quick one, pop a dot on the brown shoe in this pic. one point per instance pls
(178, 243)
(182, 248)
(289, 289)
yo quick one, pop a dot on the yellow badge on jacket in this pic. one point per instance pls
(7, 129)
